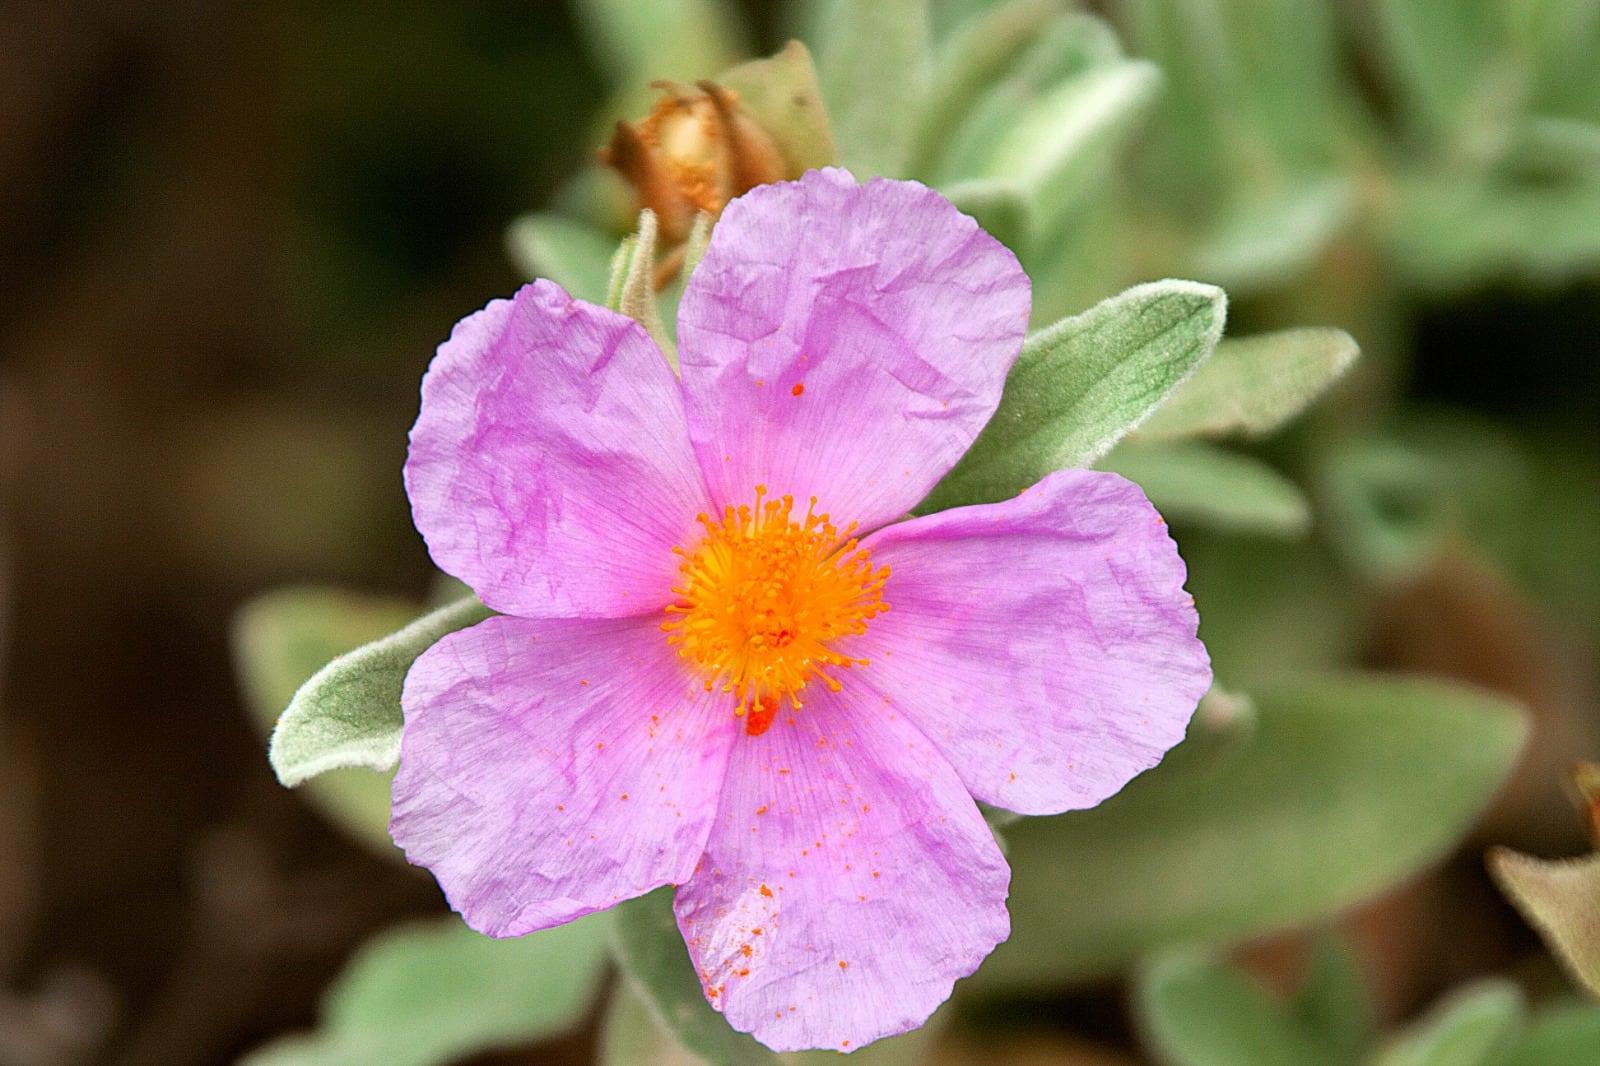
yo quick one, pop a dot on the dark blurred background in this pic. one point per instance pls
(230, 237)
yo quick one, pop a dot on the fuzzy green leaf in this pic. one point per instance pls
(1333, 1004)
(1054, 149)
(641, 40)
(573, 255)
(1441, 55)
(1083, 383)
(429, 994)
(1449, 232)
(1196, 1011)
(633, 281)
(651, 950)
(1393, 501)
(621, 268)
(873, 66)
(694, 249)
(1562, 147)
(1210, 486)
(1066, 48)
(1472, 1027)
(1257, 634)
(1255, 102)
(349, 713)
(1346, 784)
(1253, 385)
(1566, 1035)
(981, 51)
(283, 637)
(631, 1036)
(1561, 899)
(1266, 241)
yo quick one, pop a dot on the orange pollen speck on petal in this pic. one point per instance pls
(764, 597)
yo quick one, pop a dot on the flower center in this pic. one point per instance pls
(762, 599)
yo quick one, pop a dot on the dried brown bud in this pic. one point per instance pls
(695, 151)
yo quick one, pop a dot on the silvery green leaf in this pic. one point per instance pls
(979, 52)
(283, 637)
(1333, 1003)
(1055, 147)
(1568, 1034)
(348, 714)
(638, 41)
(1561, 39)
(1066, 48)
(1474, 1026)
(634, 281)
(1255, 97)
(621, 269)
(1442, 58)
(280, 638)
(1345, 785)
(1553, 144)
(1393, 501)
(631, 1036)
(1253, 385)
(433, 993)
(1263, 241)
(1080, 385)
(1450, 231)
(1257, 634)
(570, 253)
(1469, 77)
(694, 249)
(1085, 257)
(1211, 486)
(1197, 1011)
(872, 62)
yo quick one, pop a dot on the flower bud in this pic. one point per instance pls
(696, 150)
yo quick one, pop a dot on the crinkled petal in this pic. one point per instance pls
(848, 882)
(550, 467)
(846, 342)
(1045, 643)
(550, 768)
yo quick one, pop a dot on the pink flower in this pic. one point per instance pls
(724, 662)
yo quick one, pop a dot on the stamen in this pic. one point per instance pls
(762, 599)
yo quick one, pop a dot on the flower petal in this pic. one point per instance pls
(848, 881)
(550, 468)
(553, 768)
(1045, 644)
(846, 342)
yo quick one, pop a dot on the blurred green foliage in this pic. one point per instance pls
(1336, 169)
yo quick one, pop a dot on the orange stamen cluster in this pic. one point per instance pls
(762, 599)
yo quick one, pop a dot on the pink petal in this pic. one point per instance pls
(851, 863)
(1045, 643)
(553, 768)
(846, 342)
(550, 467)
